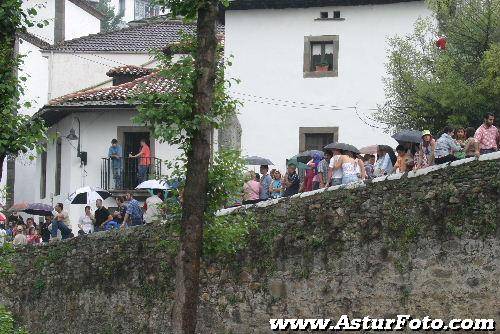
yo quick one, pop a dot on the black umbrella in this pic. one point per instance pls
(38, 209)
(342, 147)
(258, 161)
(87, 194)
(409, 136)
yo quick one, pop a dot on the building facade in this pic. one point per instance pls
(67, 19)
(96, 116)
(291, 103)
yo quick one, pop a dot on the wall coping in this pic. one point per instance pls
(361, 184)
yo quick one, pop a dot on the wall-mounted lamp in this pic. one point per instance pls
(72, 136)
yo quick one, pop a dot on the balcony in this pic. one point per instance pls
(129, 177)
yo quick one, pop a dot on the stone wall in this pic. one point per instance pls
(426, 245)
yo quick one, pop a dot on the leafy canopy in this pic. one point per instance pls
(172, 119)
(111, 20)
(18, 133)
(171, 114)
(427, 87)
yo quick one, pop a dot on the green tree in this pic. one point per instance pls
(7, 324)
(18, 133)
(187, 118)
(428, 87)
(111, 20)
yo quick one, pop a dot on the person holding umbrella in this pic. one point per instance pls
(265, 183)
(334, 174)
(385, 160)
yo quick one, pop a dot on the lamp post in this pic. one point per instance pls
(72, 136)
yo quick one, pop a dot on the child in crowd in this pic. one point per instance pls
(369, 161)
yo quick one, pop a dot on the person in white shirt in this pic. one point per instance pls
(335, 174)
(153, 207)
(3, 235)
(86, 222)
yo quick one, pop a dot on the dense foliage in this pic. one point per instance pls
(7, 324)
(171, 117)
(18, 133)
(112, 21)
(171, 114)
(428, 87)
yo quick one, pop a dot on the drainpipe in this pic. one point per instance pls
(51, 66)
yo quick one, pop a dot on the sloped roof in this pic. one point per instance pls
(108, 98)
(35, 40)
(138, 38)
(129, 69)
(114, 95)
(89, 7)
(281, 4)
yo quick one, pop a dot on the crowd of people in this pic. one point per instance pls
(57, 226)
(336, 167)
(329, 168)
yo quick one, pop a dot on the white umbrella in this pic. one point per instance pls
(153, 184)
(86, 195)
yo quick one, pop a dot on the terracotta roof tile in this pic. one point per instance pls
(129, 69)
(138, 38)
(114, 95)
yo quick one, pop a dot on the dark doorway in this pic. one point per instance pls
(132, 145)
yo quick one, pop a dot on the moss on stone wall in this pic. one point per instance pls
(272, 261)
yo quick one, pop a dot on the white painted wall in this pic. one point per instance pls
(36, 69)
(45, 11)
(75, 71)
(78, 22)
(98, 129)
(268, 46)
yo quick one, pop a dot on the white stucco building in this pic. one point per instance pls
(96, 116)
(88, 94)
(67, 19)
(289, 107)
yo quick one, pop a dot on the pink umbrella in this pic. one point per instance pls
(19, 207)
(2, 217)
(372, 149)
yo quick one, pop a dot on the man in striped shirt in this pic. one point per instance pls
(487, 135)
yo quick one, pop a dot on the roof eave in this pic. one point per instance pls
(284, 4)
(89, 9)
(52, 114)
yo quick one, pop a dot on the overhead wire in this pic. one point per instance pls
(263, 99)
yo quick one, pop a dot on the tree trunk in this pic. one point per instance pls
(2, 159)
(8, 44)
(194, 199)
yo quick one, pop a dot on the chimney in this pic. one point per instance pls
(59, 20)
(127, 73)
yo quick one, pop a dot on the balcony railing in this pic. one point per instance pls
(127, 173)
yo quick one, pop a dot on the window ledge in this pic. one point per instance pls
(330, 19)
(328, 74)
